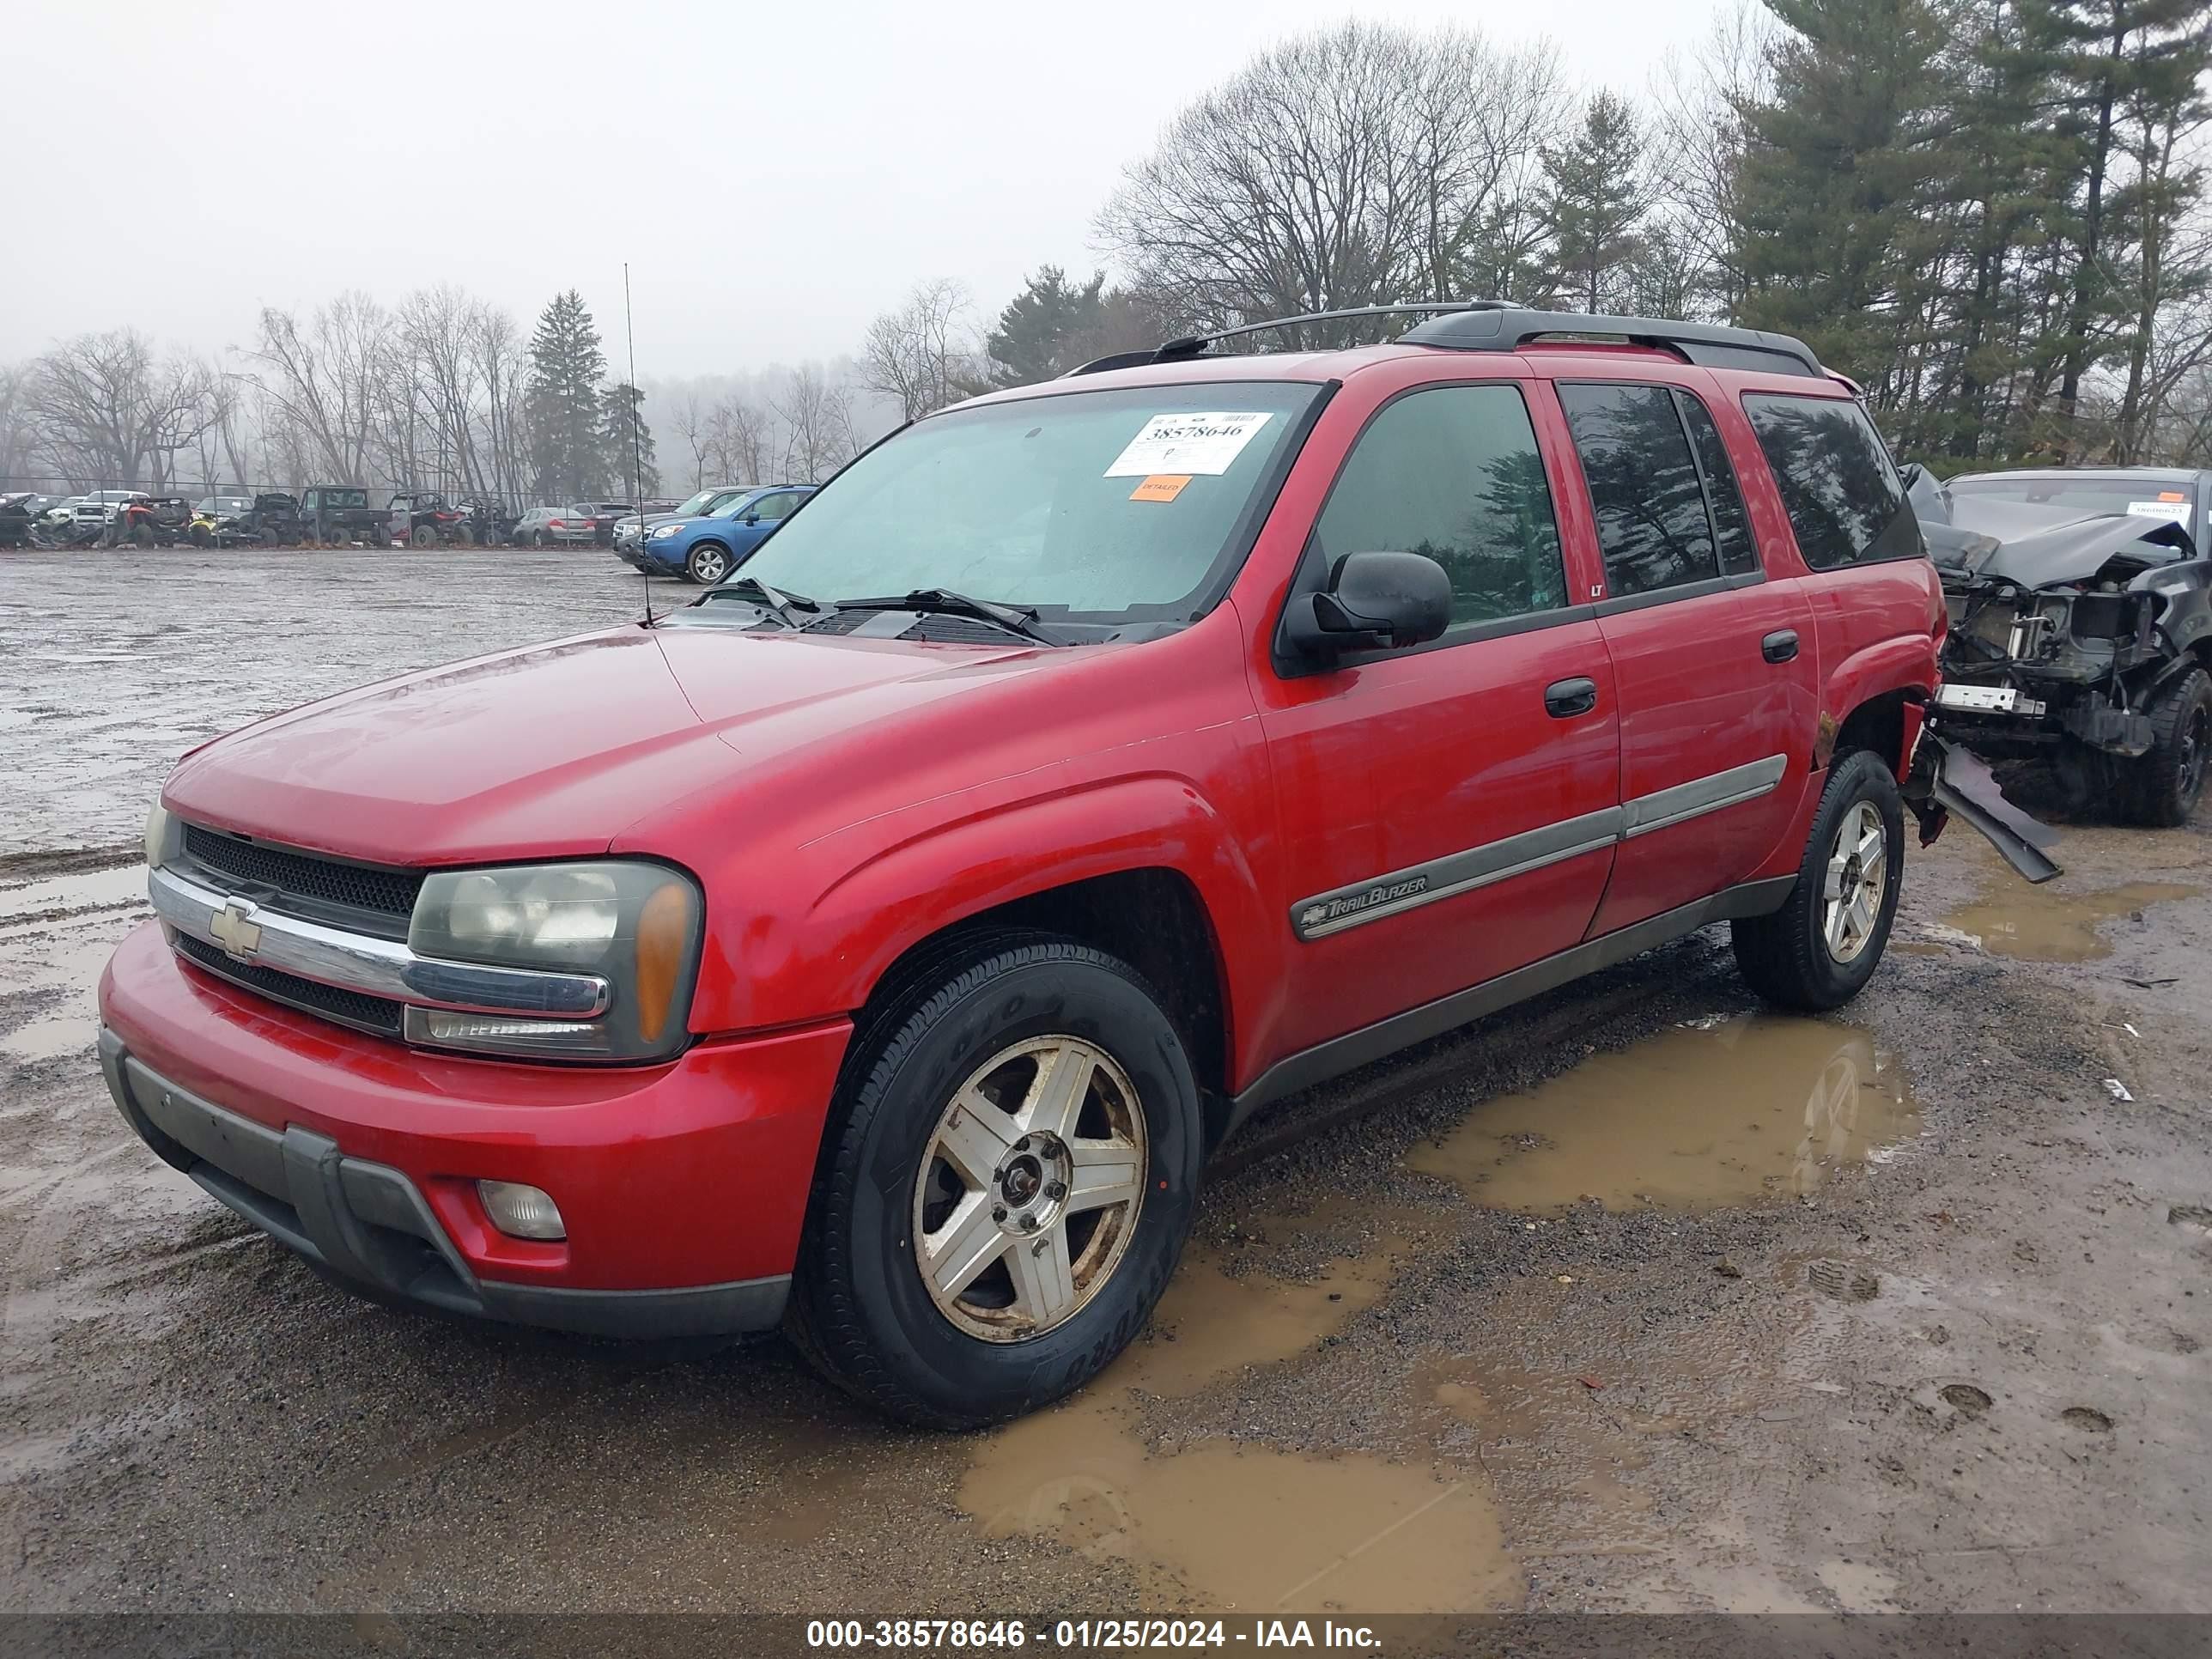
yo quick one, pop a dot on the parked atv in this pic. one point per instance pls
(487, 523)
(268, 520)
(425, 521)
(150, 522)
(2078, 639)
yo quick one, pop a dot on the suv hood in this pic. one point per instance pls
(1974, 538)
(553, 749)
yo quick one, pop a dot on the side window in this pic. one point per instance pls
(775, 507)
(1731, 524)
(1454, 473)
(1651, 523)
(1836, 480)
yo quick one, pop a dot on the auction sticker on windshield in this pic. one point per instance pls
(1183, 445)
(2177, 511)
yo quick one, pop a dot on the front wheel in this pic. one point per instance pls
(707, 564)
(1008, 1178)
(1820, 949)
(2168, 781)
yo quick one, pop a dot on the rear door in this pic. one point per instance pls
(1873, 594)
(1713, 662)
(1448, 811)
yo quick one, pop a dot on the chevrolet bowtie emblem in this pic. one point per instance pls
(234, 928)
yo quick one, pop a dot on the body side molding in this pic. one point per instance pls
(1354, 1049)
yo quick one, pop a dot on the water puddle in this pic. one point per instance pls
(1238, 1526)
(1709, 1114)
(2037, 925)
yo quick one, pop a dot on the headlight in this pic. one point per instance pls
(160, 833)
(635, 925)
(665, 530)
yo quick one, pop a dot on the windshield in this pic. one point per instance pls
(1115, 506)
(345, 498)
(2144, 498)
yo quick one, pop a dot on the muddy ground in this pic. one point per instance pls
(1632, 1298)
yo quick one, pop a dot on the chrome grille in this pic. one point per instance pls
(309, 883)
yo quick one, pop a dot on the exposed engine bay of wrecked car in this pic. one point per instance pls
(2067, 632)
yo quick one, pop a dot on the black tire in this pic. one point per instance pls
(537, 538)
(142, 538)
(202, 537)
(859, 1310)
(2168, 781)
(424, 536)
(709, 562)
(1786, 958)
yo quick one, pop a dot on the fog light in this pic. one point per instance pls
(522, 1212)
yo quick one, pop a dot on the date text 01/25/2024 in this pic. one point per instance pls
(955, 1635)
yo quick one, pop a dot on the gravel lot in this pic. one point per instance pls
(1625, 1300)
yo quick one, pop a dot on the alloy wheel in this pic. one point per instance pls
(1029, 1193)
(711, 565)
(1857, 871)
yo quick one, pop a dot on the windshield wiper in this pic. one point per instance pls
(944, 602)
(780, 605)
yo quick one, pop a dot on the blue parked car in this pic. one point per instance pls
(708, 548)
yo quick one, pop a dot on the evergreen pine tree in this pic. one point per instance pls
(1031, 341)
(1595, 197)
(567, 450)
(627, 465)
(2107, 56)
(1834, 180)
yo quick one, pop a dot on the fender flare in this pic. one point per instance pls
(1905, 664)
(971, 866)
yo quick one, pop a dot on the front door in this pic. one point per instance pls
(1714, 664)
(1449, 811)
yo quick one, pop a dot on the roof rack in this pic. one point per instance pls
(1194, 345)
(1498, 325)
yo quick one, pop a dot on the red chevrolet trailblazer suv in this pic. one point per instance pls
(879, 945)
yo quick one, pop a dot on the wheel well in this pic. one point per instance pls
(1877, 724)
(1151, 919)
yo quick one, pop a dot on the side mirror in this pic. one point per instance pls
(752, 517)
(1371, 601)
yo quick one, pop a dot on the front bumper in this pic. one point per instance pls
(684, 1186)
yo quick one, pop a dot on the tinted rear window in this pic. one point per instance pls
(1651, 523)
(1843, 495)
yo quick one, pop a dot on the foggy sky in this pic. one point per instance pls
(774, 176)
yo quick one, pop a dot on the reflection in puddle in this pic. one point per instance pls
(2036, 924)
(1733, 1109)
(1243, 1526)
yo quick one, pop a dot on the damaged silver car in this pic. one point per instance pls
(2081, 614)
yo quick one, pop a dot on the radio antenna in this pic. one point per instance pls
(637, 448)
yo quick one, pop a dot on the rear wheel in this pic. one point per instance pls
(2168, 781)
(709, 563)
(1006, 1187)
(142, 538)
(424, 536)
(1823, 944)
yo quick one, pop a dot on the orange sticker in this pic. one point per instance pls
(2171, 495)
(1160, 487)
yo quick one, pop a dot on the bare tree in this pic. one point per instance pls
(107, 408)
(1365, 164)
(736, 441)
(924, 354)
(329, 379)
(1698, 138)
(817, 418)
